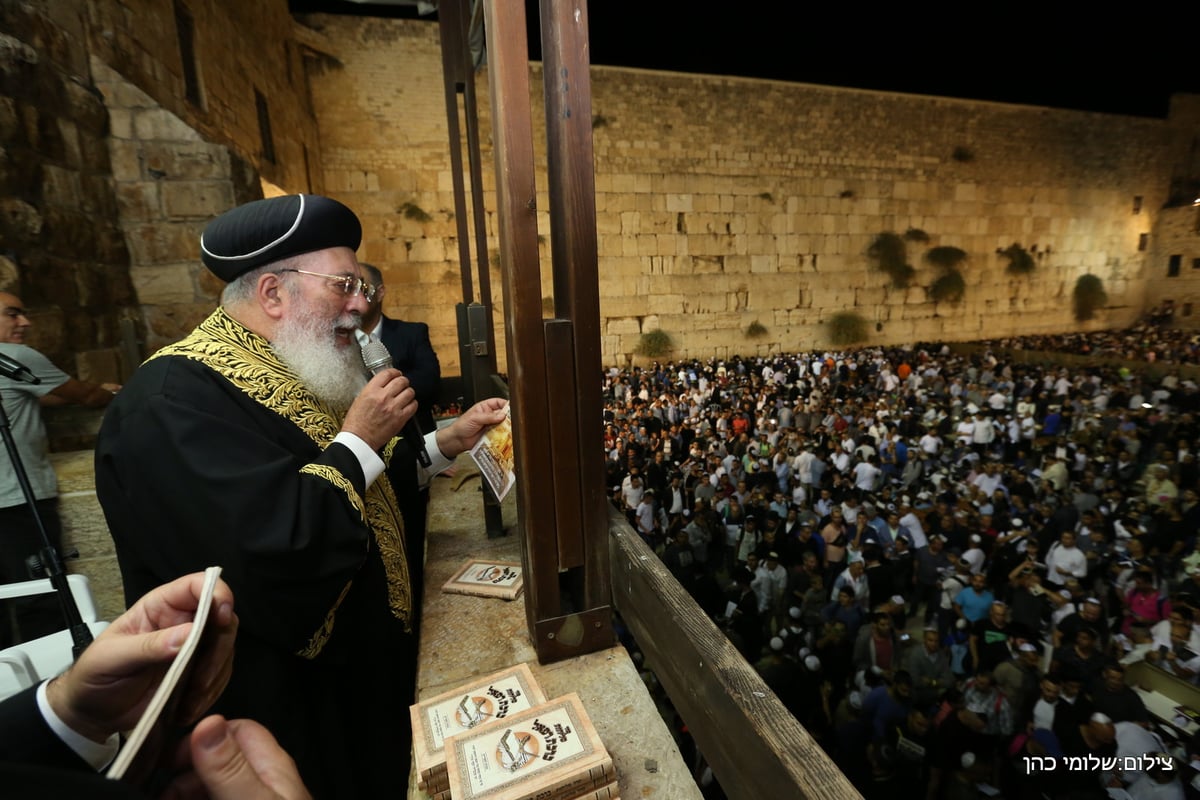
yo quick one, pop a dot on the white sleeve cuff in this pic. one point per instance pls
(372, 465)
(98, 755)
(438, 462)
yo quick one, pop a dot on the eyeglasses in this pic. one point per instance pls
(348, 285)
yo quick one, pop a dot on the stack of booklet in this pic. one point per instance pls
(497, 738)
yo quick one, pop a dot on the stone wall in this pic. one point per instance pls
(1177, 235)
(169, 184)
(241, 48)
(60, 249)
(386, 153)
(722, 201)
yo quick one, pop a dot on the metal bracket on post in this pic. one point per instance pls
(574, 634)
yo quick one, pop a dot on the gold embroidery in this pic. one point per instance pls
(248, 362)
(383, 512)
(318, 640)
(335, 477)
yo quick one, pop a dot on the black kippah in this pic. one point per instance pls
(269, 230)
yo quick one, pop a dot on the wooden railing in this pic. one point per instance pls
(754, 745)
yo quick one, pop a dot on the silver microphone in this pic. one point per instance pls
(376, 357)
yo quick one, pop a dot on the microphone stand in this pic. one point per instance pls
(81, 635)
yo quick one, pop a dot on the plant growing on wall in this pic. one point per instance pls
(846, 327)
(890, 255)
(946, 257)
(756, 330)
(1089, 296)
(412, 211)
(916, 235)
(949, 286)
(1020, 261)
(654, 344)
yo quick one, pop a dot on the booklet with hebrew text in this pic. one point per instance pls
(480, 701)
(550, 751)
(484, 578)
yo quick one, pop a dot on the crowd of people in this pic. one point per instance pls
(1151, 342)
(945, 562)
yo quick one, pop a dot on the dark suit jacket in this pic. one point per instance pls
(412, 354)
(34, 763)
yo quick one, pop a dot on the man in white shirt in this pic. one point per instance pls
(974, 556)
(931, 443)
(866, 474)
(1064, 561)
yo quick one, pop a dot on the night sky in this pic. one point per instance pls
(1091, 60)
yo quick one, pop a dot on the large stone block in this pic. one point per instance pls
(164, 284)
(187, 160)
(707, 302)
(139, 201)
(622, 326)
(159, 124)
(195, 199)
(620, 306)
(61, 186)
(679, 202)
(19, 221)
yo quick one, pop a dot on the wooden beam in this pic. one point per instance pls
(571, 182)
(512, 134)
(755, 746)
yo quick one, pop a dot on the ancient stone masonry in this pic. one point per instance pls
(169, 183)
(60, 248)
(723, 201)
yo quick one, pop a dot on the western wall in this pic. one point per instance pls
(735, 215)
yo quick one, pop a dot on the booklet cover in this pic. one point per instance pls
(549, 751)
(480, 702)
(501, 579)
(493, 453)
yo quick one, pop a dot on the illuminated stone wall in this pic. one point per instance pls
(723, 201)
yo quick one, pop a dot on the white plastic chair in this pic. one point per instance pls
(16, 673)
(27, 663)
(81, 589)
(50, 655)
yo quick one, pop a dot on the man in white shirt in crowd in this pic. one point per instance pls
(1064, 561)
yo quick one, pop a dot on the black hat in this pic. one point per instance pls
(266, 231)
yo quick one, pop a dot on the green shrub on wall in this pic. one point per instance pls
(412, 211)
(949, 288)
(846, 327)
(890, 255)
(654, 344)
(946, 257)
(1089, 296)
(1020, 261)
(756, 330)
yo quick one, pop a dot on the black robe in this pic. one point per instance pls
(215, 454)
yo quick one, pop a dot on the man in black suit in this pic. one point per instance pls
(55, 738)
(408, 342)
(412, 354)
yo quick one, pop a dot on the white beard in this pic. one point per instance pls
(306, 344)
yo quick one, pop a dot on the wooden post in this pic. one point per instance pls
(553, 365)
